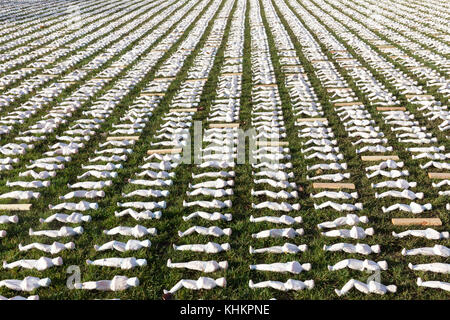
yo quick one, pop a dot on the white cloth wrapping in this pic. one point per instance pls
(412, 207)
(350, 219)
(91, 194)
(201, 283)
(63, 232)
(54, 248)
(434, 284)
(142, 215)
(276, 206)
(437, 250)
(143, 205)
(214, 204)
(293, 267)
(122, 263)
(354, 233)
(146, 193)
(130, 245)
(28, 184)
(9, 219)
(406, 194)
(278, 233)
(35, 297)
(399, 183)
(137, 231)
(80, 206)
(359, 265)
(74, 217)
(43, 263)
(27, 284)
(371, 287)
(275, 195)
(20, 195)
(210, 247)
(335, 195)
(211, 231)
(285, 248)
(91, 184)
(284, 219)
(203, 266)
(360, 248)
(339, 206)
(428, 233)
(215, 216)
(432, 267)
(118, 283)
(290, 284)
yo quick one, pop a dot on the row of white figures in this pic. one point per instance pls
(272, 167)
(188, 96)
(326, 144)
(404, 121)
(98, 115)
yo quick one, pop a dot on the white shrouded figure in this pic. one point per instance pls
(428, 233)
(27, 284)
(203, 266)
(63, 232)
(339, 206)
(210, 247)
(282, 206)
(349, 220)
(91, 184)
(122, 263)
(216, 204)
(432, 267)
(371, 287)
(143, 205)
(215, 216)
(80, 206)
(137, 231)
(20, 195)
(9, 219)
(91, 194)
(54, 248)
(200, 283)
(359, 265)
(290, 284)
(118, 283)
(335, 195)
(211, 231)
(437, 250)
(74, 217)
(406, 194)
(43, 263)
(142, 215)
(412, 207)
(360, 248)
(285, 248)
(284, 219)
(130, 245)
(292, 267)
(279, 233)
(434, 284)
(20, 298)
(399, 183)
(354, 233)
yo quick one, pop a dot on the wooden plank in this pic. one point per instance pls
(272, 143)
(378, 158)
(386, 46)
(345, 104)
(271, 85)
(408, 96)
(330, 185)
(164, 79)
(319, 61)
(165, 151)
(195, 80)
(391, 109)
(183, 110)
(224, 125)
(416, 222)
(16, 207)
(439, 175)
(120, 138)
(231, 74)
(311, 119)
